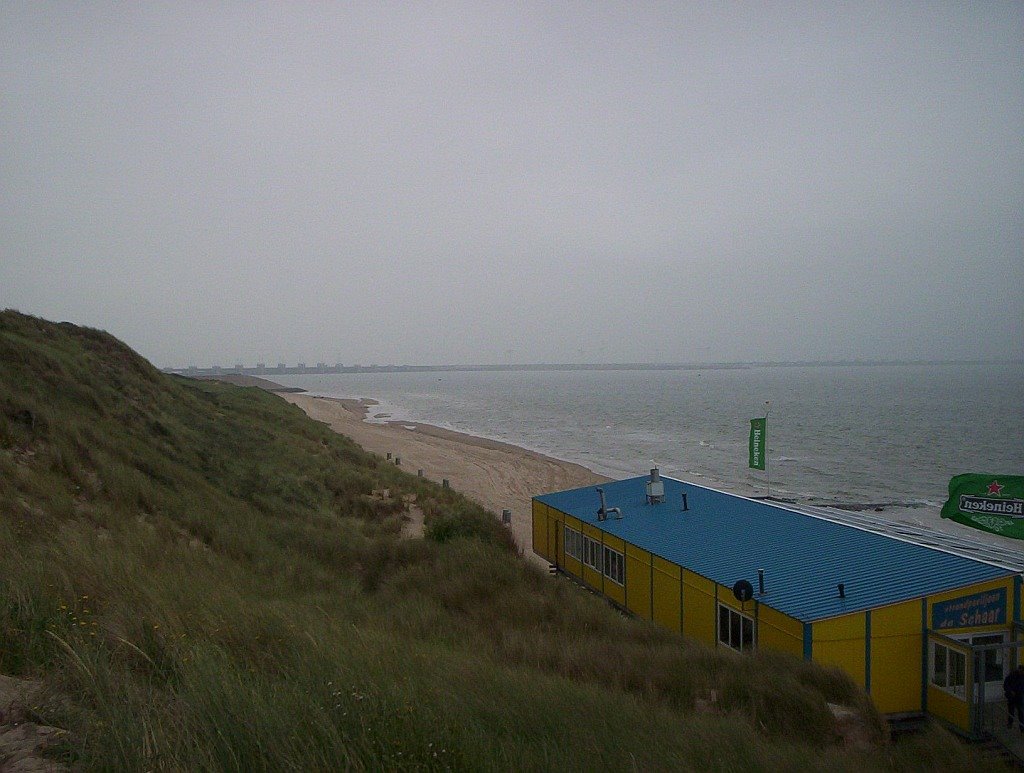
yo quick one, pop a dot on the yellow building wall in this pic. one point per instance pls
(638, 581)
(591, 577)
(948, 707)
(666, 591)
(896, 657)
(573, 567)
(540, 530)
(612, 589)
(776, 631)
(555, 548)
(839, 641)
(699, 613)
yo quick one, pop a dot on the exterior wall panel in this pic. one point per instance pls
(667, 599)
(540, 530)
(839, 641)
(776, 631)
(951, 708)
(896, 657)
(638, 582)
(555, 553)
(699, 613)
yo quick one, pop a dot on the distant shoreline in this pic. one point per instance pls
(251, 381)
(325, 369)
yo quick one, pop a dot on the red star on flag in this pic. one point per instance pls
(994, 487)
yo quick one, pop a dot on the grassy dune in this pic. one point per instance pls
(202, 579)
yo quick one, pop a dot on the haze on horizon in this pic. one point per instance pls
(468, 183)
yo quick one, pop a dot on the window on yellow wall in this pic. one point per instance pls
(592, 553)
(573, 544)
(949, 669)
(735, 630)
(614, 566)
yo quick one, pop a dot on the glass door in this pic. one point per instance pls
(993, 662)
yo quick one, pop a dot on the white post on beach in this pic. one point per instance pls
(767, 467)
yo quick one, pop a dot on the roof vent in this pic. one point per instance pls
(842, 591)
(655, 488)
(603, 511)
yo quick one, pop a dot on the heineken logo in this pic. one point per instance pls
(995, 504)
(1011, 507)
(758, 435)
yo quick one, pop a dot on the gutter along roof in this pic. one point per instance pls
(725, 538)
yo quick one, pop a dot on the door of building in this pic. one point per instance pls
(991, 662)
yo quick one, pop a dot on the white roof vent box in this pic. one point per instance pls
(655, 488)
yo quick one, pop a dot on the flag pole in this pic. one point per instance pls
(767, 467)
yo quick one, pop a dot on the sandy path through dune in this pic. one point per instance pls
(497, 475)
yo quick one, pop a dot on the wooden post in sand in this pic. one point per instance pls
(398, 461)
(444, 483)
(419, 473)
(506, 517)
(389, 456)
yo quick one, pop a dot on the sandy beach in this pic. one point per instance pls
(497, 475)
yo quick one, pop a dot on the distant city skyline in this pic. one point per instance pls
(326, 367)
(474, 183)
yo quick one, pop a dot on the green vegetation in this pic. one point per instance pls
(203, 579)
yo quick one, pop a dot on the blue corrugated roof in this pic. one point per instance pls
(725, 538)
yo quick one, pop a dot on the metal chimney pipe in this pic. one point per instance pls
(760, 581)
(685, 505)
(602, 513)
(842, 591)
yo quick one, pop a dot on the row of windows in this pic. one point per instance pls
(735, 630)
(601, 558)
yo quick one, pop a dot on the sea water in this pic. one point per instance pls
(856, 435)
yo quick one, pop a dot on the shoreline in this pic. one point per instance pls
(495, 474)
(501, 475)
(361, 407)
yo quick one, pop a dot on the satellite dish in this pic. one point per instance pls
(743, 590)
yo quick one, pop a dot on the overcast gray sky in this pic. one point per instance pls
(528, 182)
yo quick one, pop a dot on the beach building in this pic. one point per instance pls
(924, 630)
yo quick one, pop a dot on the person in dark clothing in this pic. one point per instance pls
(1013, 689)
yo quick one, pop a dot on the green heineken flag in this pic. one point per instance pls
(992, 503)
(758, 435)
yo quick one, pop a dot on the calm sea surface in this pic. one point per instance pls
(887, 434)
